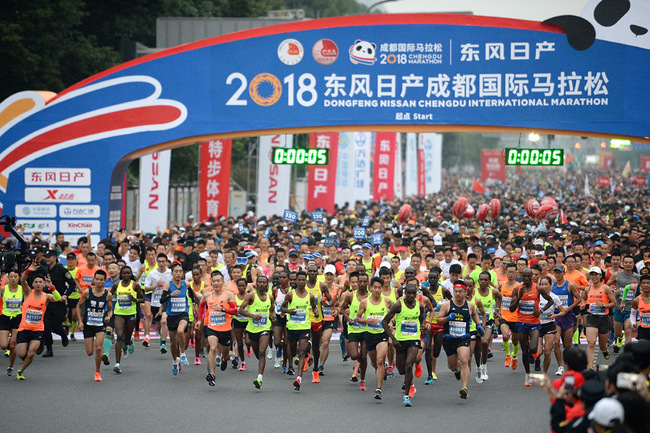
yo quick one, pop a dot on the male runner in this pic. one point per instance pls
(569, 294)
(508, 319)
(488, 297)
(11, 315)
(154, 283)
(618, 281)
(356, 336)
(150, 263)
(330, 313)
(435, 333)
(127, 294)
(641, 305)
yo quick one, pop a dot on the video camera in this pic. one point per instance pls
(10, 253)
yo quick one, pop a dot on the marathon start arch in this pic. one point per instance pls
(63, 157)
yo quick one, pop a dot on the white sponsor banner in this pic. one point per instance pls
(154, 190)
(35, 211)
(273, 181)
(57, 176)
(79, 211)
(411, 170)
(361, 167)
(79, 226)
(344, 165)
(432, 144)
(57, 195)
(399, 193)
(43, 226)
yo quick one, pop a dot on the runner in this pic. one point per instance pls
(570, 296)
(315, 288)
(356, 334)
(12, 301)
(239, 324)
(507, 319)
(330, 314)
(31, 328)
(488, 297)
(371, 313)
(198, 285)
(547, 323)
(435, 331)
(154, 283)
(127, 294)
(599, 299)
(150, 263)
(641, 305)
(98, 309)
(296, 303)
(258, 306)
(280, 339)
(618, 281)
(409, 320)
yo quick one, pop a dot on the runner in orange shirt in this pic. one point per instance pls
(508, 319)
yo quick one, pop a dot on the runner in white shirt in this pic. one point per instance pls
(155, 282)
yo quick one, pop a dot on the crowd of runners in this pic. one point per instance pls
(233, 288)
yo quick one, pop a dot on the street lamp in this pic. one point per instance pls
(377, 4)
(533, 137)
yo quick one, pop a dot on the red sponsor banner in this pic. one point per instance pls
(603, 181)
(493, 165)
(214, 178)
(384, 173)
(639, 180)
(606, 160)
(421, 177)
(645, 163)
(321, 180)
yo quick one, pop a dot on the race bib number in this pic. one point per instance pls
(14, 304)
(327, 311)
(124, 302)
(357, 325)
(545, 316)
(299, 317)
(376, 327)
(564, 299)
(217, 318)
(644, 320)
(595, 309)
(526, 307)
(33, 317)
(155, 297)
(277, 309)
(506, 303)
(95, 318)
(630, 295)
(409, 327)
(262, 322)
(457, 329)
(178, 305)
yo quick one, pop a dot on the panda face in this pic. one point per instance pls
(364, 48)
(363, 52)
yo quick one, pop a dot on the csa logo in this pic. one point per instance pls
(290, 52)
(325, 52)
(363, 52)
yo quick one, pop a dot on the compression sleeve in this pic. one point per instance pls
(56, 294)
(202, 307)
(633, 317)
(624, 296)
(232, 308)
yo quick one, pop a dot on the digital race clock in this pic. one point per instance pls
(539, 157)
(283, 155)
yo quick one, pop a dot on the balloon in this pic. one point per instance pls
(458, 210)
(469, 211)
(532, 208)
(548, 211)
(494, 208)
(482, 212)
(404, 213)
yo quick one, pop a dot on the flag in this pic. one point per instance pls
(561, 218)
(477, 187)
(587, 189)
(626, 170)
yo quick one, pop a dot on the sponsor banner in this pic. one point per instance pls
(321, 179)
(57, 176)
(493, 165)
(79, 226)
(399, 176)
(35, 211)
(432, 145)
(214, 178)
(57, 195)
(43, 226)
(272, 180)
(411, 170)
(639, 180)
(361, 167)
(383, 180)
(422, 190)
(645, 163)
(603, 181)
(154, 190)
(79, 211)
(606, 160)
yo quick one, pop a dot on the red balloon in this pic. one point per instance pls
(548, 211)
(494, 208)
(532, 208)
(404, 213)
(458, 210)
(469, 211)
(482, 212)
(547, 200)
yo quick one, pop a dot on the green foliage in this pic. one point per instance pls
(460, 149)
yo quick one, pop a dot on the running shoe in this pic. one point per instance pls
(106, 359)
(479, 377)
(218, 361)
(269, 353)
(407, 401)
(184, 359)
(514, 363)
(20, 375)
(354, 377)
(321, 371)
(538, 365)
(457, 374)
(7, 352)
(210, 378)
(315, 378)
(616, 349)
(463, 393)
(362, 386)
(98, 378)
(412, 391)
(390, 372)
(296, 384)
(490, 355)
(258, 383)
(136, 335)
(346, 357)
(508, 361)
(192, 343)
(223, 366)
(145, 342)
(484, 374)
(131, 348)
(235, 362)
(429, 380)
(197, 360)
(310, 360)
(10, 371)
(378, 394)
(175, 369)
(307, 364)
(290, 371)
(284, 369)
(434, 376)
(242, 367)
(560, 371)
(277, 363)
(296, 360)
(64, 340)
(118, 368)
(73, 338)
(278, 352)
(163, 348)
(606, 354)
(249, 352)
(418, 370)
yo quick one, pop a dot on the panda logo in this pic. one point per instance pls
(363, 52)
(621, 21)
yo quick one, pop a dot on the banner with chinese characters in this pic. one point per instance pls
(645, 163)
(273, 181)
(344, 168)
(493, 165)
(399, 175)
(411, 170)
(154, 191)
(321, 179)
(353, 169)
(384, 168)
(214, 178)
(431, 145)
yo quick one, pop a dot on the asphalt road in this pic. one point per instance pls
(60, 395)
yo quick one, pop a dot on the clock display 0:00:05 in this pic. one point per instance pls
(552, 157)
(282, 155)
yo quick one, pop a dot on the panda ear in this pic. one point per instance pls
(374, 47)
(580, 33)
(609, 12)
(357, 41)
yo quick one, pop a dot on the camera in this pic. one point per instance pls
(629, 381)
(569, 382)
(12, 255)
